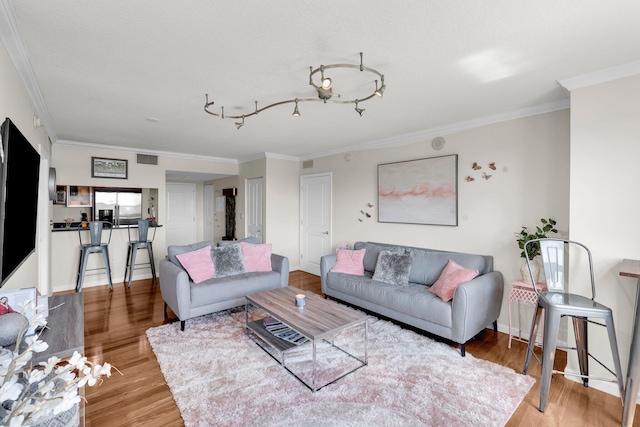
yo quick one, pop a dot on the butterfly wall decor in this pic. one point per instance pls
(369, 205)
(368, 215)
(469, 179)
(492, 165)
(476, 166)
(485, 176)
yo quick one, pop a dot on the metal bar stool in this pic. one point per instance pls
(556, 303)
(142, 243)
(95, 245)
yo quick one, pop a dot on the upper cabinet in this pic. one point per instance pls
(76, 196)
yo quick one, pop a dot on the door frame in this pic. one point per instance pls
(328, 175)
(249, 205)
(192, 190)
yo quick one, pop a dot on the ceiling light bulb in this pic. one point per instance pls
(380, 91)
(296, 112)
(327, 83)
(240, 124)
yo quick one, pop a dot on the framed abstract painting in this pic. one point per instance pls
(423, 191)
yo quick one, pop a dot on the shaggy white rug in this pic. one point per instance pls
(220, 377)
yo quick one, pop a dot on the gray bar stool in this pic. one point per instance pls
(95, 245)
(556, 303)
(142, 243)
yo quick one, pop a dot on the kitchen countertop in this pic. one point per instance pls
(61, 226)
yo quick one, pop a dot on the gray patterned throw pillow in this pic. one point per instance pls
(393, 268)
(228, 260)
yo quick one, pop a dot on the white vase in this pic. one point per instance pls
(535, 270)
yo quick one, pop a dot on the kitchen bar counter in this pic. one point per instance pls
(61, 226)
(65, 255)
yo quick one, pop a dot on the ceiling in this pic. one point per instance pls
(134, 74)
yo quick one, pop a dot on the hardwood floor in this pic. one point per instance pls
(115, 325)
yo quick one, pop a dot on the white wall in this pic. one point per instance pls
(16, 105)
(605, 207)
(282, 209)
(531, 182)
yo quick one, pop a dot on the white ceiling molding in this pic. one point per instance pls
(268, 156)
(69, 143)
(428, 134)
(12, 40)
(602, 76)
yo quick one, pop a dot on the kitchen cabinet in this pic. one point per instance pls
(79, 196)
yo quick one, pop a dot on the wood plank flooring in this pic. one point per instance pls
(115, 325)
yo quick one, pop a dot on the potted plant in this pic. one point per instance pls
(533, 250)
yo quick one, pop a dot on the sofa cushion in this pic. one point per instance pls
(452, 276)
(428, 264)
(257, 257)
(349, 262)
(174, 250)
(410, 300)
(228, 260)
(215, 290)
(393, 268)
(372, 252)
(198, 264)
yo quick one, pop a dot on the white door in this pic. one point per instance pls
(181, 214)
(254, 208)
(315, 214)
(208, 213)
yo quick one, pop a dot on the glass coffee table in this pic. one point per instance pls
(323, 340)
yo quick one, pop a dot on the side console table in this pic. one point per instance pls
(523, 293)
(65, 327)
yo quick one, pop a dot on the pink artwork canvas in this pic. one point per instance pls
(423, 191)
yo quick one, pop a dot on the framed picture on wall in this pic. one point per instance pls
(109, 168)
(423, 191)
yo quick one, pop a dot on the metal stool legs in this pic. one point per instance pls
(131, 260)
(82, 266)
(551, 326)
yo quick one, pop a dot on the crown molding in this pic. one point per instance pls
(602, 76)
(11, 38)
(68, 143)
(427, 134)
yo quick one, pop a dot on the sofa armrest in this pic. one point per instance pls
(280, 264)
(476, 304)
(175, 288)
(326, 264)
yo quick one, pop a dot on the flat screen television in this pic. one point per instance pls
(19, 177)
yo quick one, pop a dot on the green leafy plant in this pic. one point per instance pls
(541, 232)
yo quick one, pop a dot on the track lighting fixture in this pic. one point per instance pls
(240, 124)
(380, 91)
(324, 90)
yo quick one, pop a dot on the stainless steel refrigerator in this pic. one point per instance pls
(119, 207)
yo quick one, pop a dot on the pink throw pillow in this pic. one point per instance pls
(198, 264)
(256, 257)
(451, 277)
(349, 262)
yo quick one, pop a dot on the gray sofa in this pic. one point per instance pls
(475, 305)
(188, 299)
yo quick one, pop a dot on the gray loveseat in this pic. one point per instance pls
(475, 304)
(188, 299)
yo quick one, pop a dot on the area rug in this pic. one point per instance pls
(219, 377)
